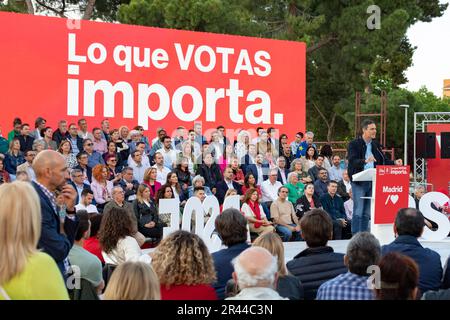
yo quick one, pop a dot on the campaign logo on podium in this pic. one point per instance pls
(391, 192)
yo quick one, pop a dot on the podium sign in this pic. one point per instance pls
(392, 192)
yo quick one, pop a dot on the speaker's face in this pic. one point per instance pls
(370, 132)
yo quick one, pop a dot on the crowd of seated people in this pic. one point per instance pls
(116, 177)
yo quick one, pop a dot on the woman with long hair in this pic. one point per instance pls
(250, 183)
(111, 150)
(238, 174)
(165, 192)
(183, 173)
(327, 153)
(101, 186)
(254, 213)
(13, 158)
(309, 160)
(133, 281)
(26, 273)
(242, 145)
(178, 192)
(150, 175)
(308, 201)
(65, 148)
(282, 141)
(116, 238)
(184, 267)
(187, 151)
(146, 214)
(288, 286)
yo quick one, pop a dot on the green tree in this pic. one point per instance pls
(343, 55)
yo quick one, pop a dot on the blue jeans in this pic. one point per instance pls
(286, 234)
(361, 207)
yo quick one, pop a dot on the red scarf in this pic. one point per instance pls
(255, 208)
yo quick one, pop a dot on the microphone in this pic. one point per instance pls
(380, 151)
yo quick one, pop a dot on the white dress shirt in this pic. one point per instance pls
(161, 174)
(270, 191)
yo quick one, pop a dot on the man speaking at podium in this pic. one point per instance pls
(364, 153)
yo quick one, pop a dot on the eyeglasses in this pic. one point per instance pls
(112, 160)
(89, 144)
(78, 176)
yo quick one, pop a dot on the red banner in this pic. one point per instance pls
(391, 192)
(133, 75)
(438, 169)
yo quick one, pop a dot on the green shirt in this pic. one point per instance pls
(90, 266)
(295, 191)
(40, 280)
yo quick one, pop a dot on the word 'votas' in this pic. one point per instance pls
(258, 112)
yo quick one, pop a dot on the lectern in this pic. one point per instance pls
(383, 232)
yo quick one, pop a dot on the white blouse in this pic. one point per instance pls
(127, 249)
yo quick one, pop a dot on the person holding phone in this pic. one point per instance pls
(51, 175)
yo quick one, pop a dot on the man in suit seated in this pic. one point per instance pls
(282, 170)
(225, 184)
(260, 170)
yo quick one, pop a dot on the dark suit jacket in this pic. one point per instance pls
(224, 268)
(222, 189)
(85, 186)
(88, 171)
(333, 206)
(212, 175)
(252, 168)
(58, 137)
(132, 192)
(357, 155)
(51, 240)
(26, 143)
(429, 261)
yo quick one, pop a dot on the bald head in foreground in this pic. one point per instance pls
(255, 272)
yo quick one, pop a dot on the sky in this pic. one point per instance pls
(431, 60)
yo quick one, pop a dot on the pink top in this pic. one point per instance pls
(101, 194)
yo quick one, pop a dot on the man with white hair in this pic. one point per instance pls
(255, 272)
